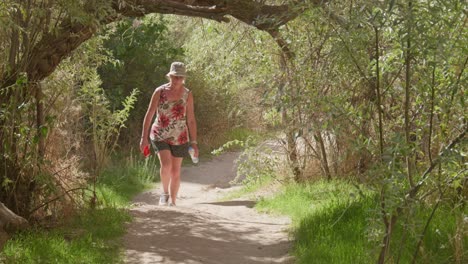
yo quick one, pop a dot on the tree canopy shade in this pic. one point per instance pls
(37, 35)
(39, 59)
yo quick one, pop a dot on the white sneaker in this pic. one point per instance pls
(164, 199)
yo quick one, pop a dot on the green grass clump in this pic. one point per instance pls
(335, 234)
(329, 221)
(93, 235)
(118, 184)
(301, 200)
(334, 222)
(90, 238)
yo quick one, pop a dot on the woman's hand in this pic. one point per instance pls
(148, 117)
(143, 143)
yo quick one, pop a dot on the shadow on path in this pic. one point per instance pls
(201, 229)
(248, 204)
(174, 236)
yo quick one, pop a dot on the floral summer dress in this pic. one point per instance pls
(170, 125)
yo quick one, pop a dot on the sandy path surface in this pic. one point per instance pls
(201, 229)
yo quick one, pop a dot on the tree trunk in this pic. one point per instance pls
(377, 88)
(9, 223)
(39, 121)
(408, 140)
(287, 63)
(323, 152)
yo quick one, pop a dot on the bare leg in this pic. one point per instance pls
(165, 171)
(175, 178)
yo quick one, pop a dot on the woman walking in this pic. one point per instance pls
(173, 130)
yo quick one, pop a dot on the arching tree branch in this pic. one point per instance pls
(52, 48)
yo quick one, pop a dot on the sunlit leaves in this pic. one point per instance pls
(104, 123)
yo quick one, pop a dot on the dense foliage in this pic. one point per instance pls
(372, 90)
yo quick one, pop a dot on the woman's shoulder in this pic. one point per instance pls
(161, 87)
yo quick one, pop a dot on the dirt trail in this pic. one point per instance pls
(201, 229)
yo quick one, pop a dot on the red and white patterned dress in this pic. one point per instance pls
(170, 125)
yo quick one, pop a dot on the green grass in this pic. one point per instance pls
(329, 221)
(241, 133)
(333, 223)
(92, 236)
(118, 184)
(438, 245)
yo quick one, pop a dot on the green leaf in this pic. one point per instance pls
(44, 131)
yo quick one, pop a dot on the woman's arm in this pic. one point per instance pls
(153, 106)
(192, 123)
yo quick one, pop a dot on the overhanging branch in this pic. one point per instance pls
(54, 47)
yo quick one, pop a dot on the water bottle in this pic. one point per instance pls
(191, 151)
